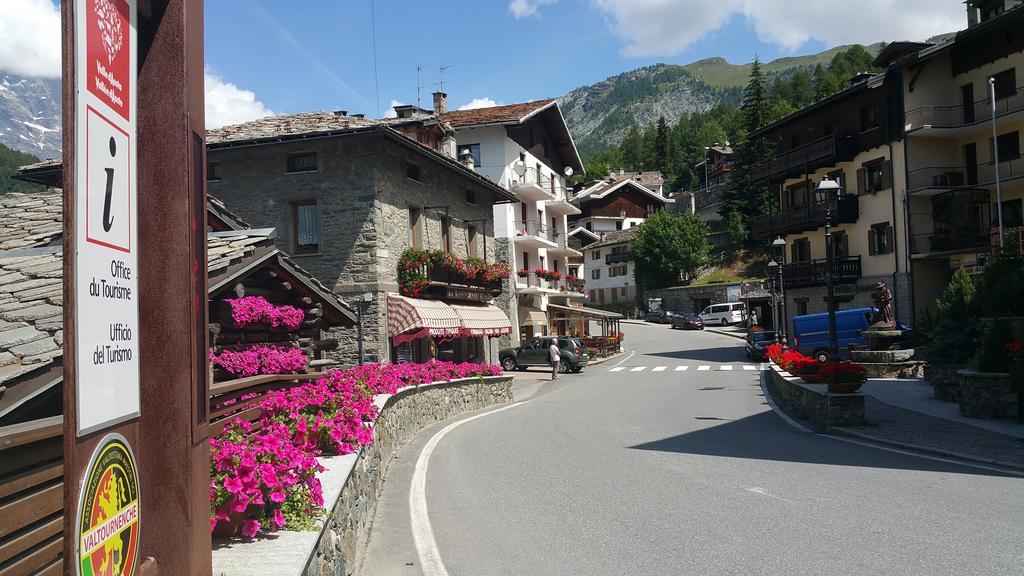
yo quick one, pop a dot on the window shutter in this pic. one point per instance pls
(872, 244)
(862, 183)
(887, 175)
(888, 239)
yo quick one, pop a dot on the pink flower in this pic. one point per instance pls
(233, 485)
(279, 520)
(250, 528)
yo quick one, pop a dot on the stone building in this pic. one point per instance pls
(350, 196)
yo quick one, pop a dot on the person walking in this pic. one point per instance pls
(556, 358)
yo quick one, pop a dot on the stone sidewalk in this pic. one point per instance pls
(921, 432)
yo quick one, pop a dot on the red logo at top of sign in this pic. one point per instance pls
(108, 25)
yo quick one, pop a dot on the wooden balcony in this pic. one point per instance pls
(804, 219)
(806, 274)
(451, 284)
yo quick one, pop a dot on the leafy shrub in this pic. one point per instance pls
(993, 355)
(1001, 289)
(955, 330)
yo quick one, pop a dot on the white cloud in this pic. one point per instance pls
(667, 27)
(524, 8)
(30, 37)
(391, 110)
(475, 103)
(228, 104)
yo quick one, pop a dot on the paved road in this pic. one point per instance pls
(685, 472)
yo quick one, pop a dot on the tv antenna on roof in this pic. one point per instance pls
(443, 68)
(418, 85)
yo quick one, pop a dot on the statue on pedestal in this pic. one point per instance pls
(884, 318)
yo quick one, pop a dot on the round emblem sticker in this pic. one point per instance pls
(108, 511)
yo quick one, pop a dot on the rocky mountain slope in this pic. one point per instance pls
(30, 114)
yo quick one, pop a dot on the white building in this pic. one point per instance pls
(527, 148)
(610, 281)
(617, 204)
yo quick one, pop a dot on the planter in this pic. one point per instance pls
(986, 394)
(844, 387)
(944, 380)
(811, 378)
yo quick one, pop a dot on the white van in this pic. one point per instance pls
(723, 314)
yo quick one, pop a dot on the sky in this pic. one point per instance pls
(281, 56)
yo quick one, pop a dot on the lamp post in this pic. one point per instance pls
(779, 251)
(367, 297)
(995, 159)
(830, 188)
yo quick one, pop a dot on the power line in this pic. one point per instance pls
(373, 33)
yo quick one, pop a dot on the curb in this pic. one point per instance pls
(1009, 466)
(724, 333)
(605, 359)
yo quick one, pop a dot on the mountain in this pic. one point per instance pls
(601, 114)
(30, 114)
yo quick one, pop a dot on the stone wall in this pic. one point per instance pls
(813, 402)
(401, 418)
(944, 380)
(987, 395)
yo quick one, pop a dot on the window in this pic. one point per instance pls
(801, 307)
(869, 118)
(874, 176)
(880, 239)
(1006, 84)
(839, 177)
(574, 271)
(588, 226)
(446, 234)
(796, 195)
(305, 227)
(840, 244)
(794, 141)
(622, 291)
(595, 274)
(595, 254)
(1009, 146)
(471, 242)
(302, 162)
(1013, 213)
(650, 209)
(474, 151)
(600, 295)
(801, 250)
(990, 12)
(471, 197)
(526, 260)
(618, 225)
(213, 171)
(412, 171)
(416, 228)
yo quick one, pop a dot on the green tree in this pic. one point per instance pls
(668, 247)
(10, 161)
(955, 331)
(661, 146)
(633, 148)
(745, 196)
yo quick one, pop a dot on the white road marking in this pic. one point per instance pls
(725, 367)
(681, 368)
(749, 367)
(703, 367)
(618, 369)
(620, 362)
(661, 368)
(422, 532)
(638, 369)
(763, 492)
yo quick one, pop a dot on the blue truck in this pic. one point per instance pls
(810, 332)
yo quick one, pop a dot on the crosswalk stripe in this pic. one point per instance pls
(618, 369)
(661, 368)
(725, 367)
(703, 367)
(681, 368)
(638, 369)
(749, 367)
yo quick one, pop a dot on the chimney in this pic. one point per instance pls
(973, 14)
(466, 157)
(341, 112)
(440, 103)
(359, 115)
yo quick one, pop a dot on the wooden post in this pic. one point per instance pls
(169, 436)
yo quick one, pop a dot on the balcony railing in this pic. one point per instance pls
(1013, 239)
(804, 218)
(812, 273)
(962, 239)
(616, 258)
(796, 159)
(533, 185)
(606, 213)
(532, 280)
(534, 228)
(958, 176)
(439, 276)
(954, 116)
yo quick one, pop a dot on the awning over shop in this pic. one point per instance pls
(412, 318)
(482, 320)
(530, 316)
(594, 312)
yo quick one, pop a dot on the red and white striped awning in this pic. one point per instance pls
(482, 320)
(412, 318)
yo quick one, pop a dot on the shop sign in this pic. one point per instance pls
(462, 294)
(108, 511)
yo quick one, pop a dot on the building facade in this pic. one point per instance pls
(350, 197)
(616, 203)
(527, 149)
(610, 273)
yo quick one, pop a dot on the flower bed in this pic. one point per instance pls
(841, 377)
(253, 360)
(412, 278)
(266, 480)
(256, 310)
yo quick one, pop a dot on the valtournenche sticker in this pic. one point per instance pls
(108, 512)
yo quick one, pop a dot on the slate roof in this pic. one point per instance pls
(302, 123)
(616, 237)
(509, 114)
(30, 220)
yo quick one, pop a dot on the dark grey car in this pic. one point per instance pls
(536, 353)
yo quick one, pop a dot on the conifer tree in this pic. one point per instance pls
(744, 196)
(661, 146)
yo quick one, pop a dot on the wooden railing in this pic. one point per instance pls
(32, 497)
(804, 218)
(812, 273)
(241, 398)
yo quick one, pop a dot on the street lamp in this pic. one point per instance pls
(779, 253)
(829, 189)
(367, 297)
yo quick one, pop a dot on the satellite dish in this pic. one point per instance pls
(567, 171)
(520, 168)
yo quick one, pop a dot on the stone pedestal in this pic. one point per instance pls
(883, 359)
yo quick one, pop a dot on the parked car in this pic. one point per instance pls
(659, 316)
(536, 353)
(758, 342)
(724, 314)
(810, 332)
(687, 321)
